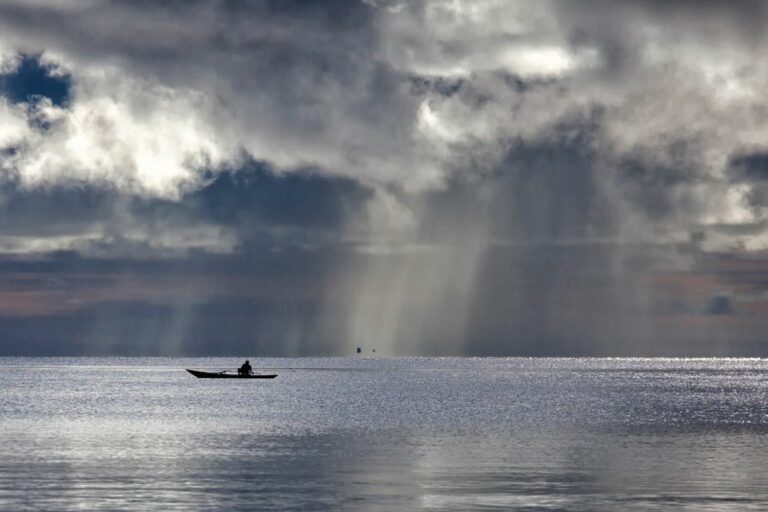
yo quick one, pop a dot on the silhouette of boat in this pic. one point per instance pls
(225, 375)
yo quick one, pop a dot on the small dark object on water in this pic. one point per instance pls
(223, 375)
(359, 350)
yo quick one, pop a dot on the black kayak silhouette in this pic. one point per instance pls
(223, 375)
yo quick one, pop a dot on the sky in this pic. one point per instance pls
(436, 177)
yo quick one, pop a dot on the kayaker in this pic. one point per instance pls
(245, 369)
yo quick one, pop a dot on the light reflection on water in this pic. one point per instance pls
(393, 434)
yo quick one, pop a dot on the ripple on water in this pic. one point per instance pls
(384, 434)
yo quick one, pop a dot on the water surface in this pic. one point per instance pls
(384, 434)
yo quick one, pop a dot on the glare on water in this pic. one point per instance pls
(384, 434)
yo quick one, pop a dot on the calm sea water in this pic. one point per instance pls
(385, 434)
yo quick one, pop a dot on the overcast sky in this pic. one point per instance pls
(420, 177)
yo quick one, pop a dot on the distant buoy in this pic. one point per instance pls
(359, 350)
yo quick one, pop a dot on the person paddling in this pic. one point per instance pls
(245, 369)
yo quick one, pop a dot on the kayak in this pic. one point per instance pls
(224, 375)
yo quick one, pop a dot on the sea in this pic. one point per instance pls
(384, 434)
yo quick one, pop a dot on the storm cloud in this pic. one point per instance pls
(424, 177)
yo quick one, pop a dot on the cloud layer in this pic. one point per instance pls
(394, 93)
(484, 177)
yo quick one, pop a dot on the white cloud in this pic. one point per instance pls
(157, 98)
(141, 138)
(13, 125)
(9, 60)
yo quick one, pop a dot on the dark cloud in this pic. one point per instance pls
(661, 192)
(67, 210)
(256, 196)
(720, 305)
(750, 167)
(253, 203)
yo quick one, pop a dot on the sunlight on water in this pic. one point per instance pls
(384, 434)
